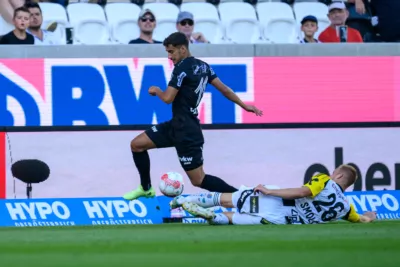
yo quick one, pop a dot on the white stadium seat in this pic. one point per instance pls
(206, 20)
(89, 23)
(278, 22)
(240, 21)
(55, 12)
(319, 10)
(166, 15)
(123, 21)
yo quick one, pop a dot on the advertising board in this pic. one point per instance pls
(115, 211)
(78, 211)
(113, 91)
(99, 164)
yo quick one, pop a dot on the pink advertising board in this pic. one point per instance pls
(66, 92)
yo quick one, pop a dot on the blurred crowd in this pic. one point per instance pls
(350, 21)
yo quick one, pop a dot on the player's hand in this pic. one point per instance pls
(261, 189)
(153, 90)
(253, 109)
(371, 215)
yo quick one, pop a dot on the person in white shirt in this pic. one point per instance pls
(42, 37)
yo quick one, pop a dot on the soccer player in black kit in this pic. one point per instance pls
(185, 91)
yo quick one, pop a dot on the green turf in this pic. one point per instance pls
(334, 245)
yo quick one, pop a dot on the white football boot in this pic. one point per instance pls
(198, 211)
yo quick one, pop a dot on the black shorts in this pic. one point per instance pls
(187, 141)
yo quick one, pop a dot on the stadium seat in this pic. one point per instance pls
(166, 15)
(319, 10)
(240, 21)
(278, 22)
(55, 12)
(206, 20)
(123, 21)
(5, 27)
(89, 23)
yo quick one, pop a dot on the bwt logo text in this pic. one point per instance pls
(103, 93)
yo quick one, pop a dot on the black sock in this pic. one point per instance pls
(215, 184)
(142, 162)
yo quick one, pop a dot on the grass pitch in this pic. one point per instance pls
(191, 245)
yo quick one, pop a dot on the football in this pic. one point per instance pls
(171, 184)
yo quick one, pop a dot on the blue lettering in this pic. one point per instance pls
(31, 110)
(132, 110)
(234, 76)
(66, 109)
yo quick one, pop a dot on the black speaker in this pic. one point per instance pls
(30, 171)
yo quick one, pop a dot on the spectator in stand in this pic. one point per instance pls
(19, 36)
(42, 37)
(147, 24)
(185, 25)
(309, 26)
(387, 19)
(338, 31)
(360, 18)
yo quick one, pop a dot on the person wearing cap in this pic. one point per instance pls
(147, 24)
(185, 25)
(309, 26)
(338, 15)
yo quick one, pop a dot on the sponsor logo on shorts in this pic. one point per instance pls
(154, 128)
(186, 160)
(245, 194)
(254, 204)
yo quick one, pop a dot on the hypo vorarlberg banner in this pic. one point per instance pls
(78, 211)
(115, 211)
(81, 91)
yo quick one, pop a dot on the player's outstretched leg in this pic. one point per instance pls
(208, 214)
(139, 146)
(204, 200)
(209, 182)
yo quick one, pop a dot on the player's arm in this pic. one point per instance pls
(311, 189)
(227, 92)
(354, 217)
(230, 94)
(287, 193)
(166, 96)
(174, 85)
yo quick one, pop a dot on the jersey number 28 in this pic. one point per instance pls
(333, 210)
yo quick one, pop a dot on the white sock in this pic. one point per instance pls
(205, 200)
(220, 219)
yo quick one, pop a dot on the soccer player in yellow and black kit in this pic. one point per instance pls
(321, 200)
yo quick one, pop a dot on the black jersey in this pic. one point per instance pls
(190, 77)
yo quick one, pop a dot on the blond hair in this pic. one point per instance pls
(350, 173)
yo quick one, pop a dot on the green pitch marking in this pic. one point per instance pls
(333, 245)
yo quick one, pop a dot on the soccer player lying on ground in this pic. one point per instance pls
(189, 80)
(321, 200)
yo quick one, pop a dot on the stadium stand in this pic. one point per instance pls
(221, 21)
